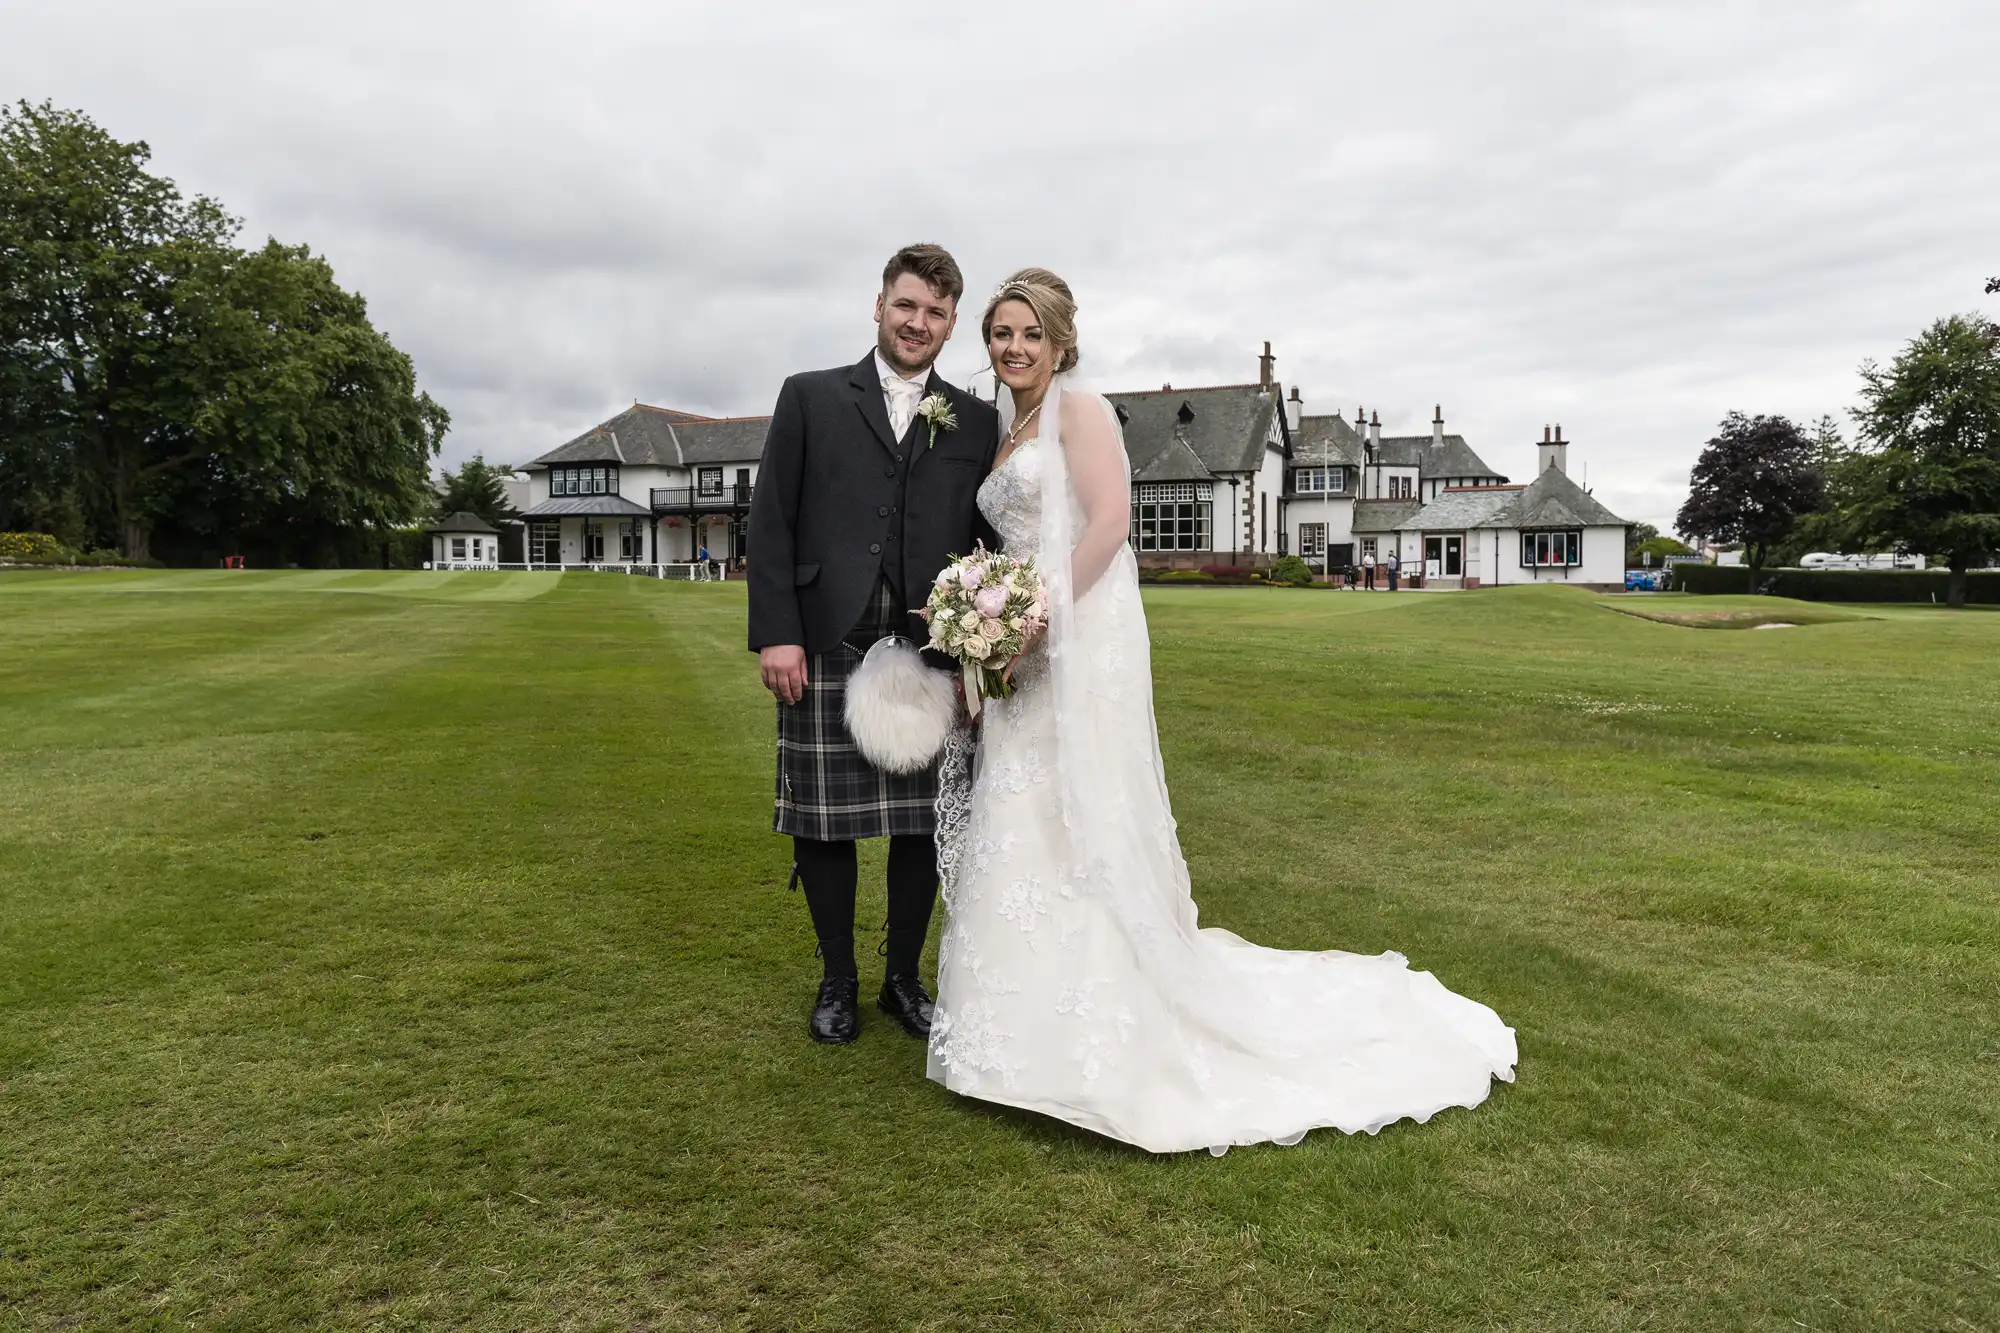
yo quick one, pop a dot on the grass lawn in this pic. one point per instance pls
(409, 951)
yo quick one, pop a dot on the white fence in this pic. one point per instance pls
(690, 572)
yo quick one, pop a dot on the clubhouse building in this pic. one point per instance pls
(1226, 474)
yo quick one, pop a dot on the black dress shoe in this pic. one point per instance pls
(836, 1016)
(905, 1000)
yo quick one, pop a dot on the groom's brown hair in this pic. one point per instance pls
(932, 263)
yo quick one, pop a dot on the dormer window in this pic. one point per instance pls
(1319, 480)
(593, 480)
(1186, 414)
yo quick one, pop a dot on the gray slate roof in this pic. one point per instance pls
(1450, 459)
(644, 435)
(591, 506)
(1384, 515)
(1551, 500)
(724, 440)
(1554, 493)
(1177, 462)
(462, 521)
(1225, 427)
(1326, 440)
(1456, 511)
(1334, 440)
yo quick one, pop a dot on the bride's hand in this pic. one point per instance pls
(1028, 643)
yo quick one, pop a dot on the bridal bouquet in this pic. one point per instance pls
(983, 610)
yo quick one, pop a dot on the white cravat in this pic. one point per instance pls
(900, 395)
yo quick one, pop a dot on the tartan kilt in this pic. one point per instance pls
(826, 791)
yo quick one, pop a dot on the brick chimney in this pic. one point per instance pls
(1375, 430)
(1437, 425)
(1295, 410)
(1552, 453)
(1264, 365)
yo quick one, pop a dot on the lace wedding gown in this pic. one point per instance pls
(1073, 979)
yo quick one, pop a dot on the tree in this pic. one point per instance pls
(1659, 548)
(317, 420)
(1928, 475)
(100, 266)
(1752, 483)
(476, 488)
(156, 371)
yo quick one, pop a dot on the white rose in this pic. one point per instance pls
(970, 620)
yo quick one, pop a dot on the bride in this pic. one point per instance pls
(1073, 979)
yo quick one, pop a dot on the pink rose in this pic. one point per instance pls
(992, 631)
(990, 601)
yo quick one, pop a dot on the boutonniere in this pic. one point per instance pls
(937, 414)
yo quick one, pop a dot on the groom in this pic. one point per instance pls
(862, 497)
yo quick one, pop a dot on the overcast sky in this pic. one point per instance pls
(1629, 218)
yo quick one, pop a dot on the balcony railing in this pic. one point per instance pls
(682, 499)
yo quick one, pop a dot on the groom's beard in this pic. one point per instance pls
(892, 352)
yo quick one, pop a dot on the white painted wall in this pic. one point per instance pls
(1336, 512)
(477, 548)
(1603, 559)
(1271, 484)
(1376, 482)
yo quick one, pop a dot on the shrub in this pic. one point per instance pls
(405, 548)
(1183, 576)
(35, 548)
(1292, 571)
(1837, 585)
(1228, 573)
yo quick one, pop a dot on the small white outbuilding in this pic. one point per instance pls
(464, 541)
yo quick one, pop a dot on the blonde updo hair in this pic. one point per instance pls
(1054, 306)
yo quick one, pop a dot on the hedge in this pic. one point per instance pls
(39, 548)
(1838, 585)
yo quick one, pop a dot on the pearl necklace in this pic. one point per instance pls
(1014, 435)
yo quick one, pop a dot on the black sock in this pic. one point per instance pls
(827, 873)
(912, 891)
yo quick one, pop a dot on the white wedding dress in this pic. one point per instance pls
(1073, 979)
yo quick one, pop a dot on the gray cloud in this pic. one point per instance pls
(1630, 218)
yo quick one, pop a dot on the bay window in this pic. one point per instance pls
(1559, 549)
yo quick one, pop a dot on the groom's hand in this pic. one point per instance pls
(783, 666)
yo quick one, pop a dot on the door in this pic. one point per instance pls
(1454, 557)
(593, 542)
(545, 543)
(743, 485)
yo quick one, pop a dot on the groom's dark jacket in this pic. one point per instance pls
(841, 504)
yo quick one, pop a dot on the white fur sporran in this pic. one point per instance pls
(899, 711)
